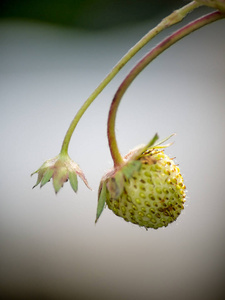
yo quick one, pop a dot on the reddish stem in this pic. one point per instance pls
(165, 44)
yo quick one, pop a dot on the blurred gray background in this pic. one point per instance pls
(50, 246)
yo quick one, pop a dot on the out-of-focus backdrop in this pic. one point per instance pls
(52, 56)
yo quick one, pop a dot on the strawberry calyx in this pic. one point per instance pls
(61, 169)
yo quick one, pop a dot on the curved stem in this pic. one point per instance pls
(162, 46)
(172, 19)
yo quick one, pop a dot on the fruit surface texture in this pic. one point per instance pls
(153, 196)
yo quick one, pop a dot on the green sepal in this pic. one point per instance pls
(157, 145)
(46, 177)
(101, 201)
(145, 148)
(115, 185)
(153, 140)
(73, 181)
(38, 179)
(131, 167)
(152, 144)
(59, 178)
(57, 184)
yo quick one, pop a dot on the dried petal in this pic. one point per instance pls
(115, 184)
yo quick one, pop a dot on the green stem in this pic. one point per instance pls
(162, 46)
(172, 19)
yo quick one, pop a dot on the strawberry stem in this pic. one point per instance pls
(150, 56)
(170, 20)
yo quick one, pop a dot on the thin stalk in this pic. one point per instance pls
(150, 56)
(172, 19)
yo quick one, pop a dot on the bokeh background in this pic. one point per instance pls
(52, 56)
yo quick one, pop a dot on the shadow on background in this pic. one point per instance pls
(87, 14)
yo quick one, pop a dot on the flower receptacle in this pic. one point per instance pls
(61, 169)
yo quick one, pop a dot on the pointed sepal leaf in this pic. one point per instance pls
(149, 145)
(38, 179)
(60, 176)
(139, 151)
(80, 173)
(142, 150)
(73, 181)
(157, 145)
(46, 177)
(101, 201)
(153, 141)
(131, 167)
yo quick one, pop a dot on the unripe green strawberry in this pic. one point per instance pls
(148, 191)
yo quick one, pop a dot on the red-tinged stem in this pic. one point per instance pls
(175, 17)
(165, 44)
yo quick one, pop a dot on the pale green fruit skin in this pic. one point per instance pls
(154, 196)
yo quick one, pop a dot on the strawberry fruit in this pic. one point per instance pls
(148, 190)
